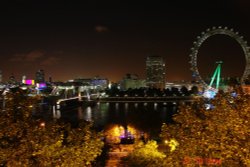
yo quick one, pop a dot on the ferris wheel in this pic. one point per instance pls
(205, 35)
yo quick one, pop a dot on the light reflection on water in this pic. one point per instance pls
(80, 113)
(145, 117)
(88, 114)
(155, 106)
(56, 113)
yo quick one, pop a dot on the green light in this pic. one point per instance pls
(217, 73)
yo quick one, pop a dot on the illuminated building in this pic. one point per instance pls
(99, 83)
(132, 81)
(94, 83)
(155, 72)
(29, 82)
(40, 76)
(41, 85)
(23, 79)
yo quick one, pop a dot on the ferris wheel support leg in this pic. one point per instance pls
(218, 77)
(213, 78)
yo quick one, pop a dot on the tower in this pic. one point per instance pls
(50, 79)
(155, 72)
(1, 76)
(12, 79)
(23, 79)
(40, 76)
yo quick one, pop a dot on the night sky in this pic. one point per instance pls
(111, 38)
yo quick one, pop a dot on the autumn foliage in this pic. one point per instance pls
(146, 155)
(216, 136)
(25, 141)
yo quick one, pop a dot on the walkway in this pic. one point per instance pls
(116, 153)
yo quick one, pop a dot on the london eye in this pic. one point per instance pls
(216, 76)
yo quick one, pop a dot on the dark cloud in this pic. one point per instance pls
(37, 56)
(28, 57)
(101, 29)
(50, 61)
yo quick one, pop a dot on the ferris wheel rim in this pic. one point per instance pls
(218, 31)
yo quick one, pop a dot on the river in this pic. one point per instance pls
(144, 118)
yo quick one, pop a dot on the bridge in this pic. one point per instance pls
(69, 95)
(149, 99)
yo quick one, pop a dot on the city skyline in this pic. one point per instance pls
(110, 39)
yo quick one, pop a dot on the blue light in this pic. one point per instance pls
(210, 94)
(234, 94)
(209, 106)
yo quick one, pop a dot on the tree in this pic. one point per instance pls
(184, 91)
(75, 147)
(220, 135)
(25, 141)
(146, 155)
(14, 126)
(194, 90)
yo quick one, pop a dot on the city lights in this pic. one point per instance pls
(30, 82)
(125, 84)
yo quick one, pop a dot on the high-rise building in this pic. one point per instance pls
(1, 76)
(155, 72)
(12, 79)
(24, 79)
(50, 79)
(40, 76)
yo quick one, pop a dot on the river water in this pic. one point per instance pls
(142, 117)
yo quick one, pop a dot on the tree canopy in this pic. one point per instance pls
(219, 135)
(146, 155)
(25, 141)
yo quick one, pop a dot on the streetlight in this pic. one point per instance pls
(42, 124)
